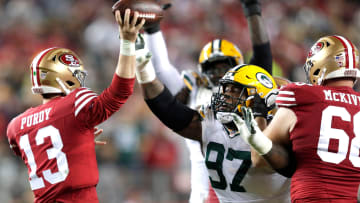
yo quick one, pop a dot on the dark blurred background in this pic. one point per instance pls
(143, 161)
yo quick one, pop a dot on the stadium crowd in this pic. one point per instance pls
(141, 162)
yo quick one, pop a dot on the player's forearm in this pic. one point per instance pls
(172, 113)
(126, 63)
(262, 55)
(152, 90)
(258, 34)
(257, 29)
(280, 160)
(165, 71)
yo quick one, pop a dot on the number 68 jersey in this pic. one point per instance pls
(56, 141)
(231, 173)
(325, 140)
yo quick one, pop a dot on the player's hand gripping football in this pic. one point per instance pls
(128, 30)
(250, 132)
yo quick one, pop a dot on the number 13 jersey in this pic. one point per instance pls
(231, 173)
(56, 140)
(325, 141)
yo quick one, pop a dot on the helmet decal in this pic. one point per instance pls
(349, 52)
(339, 59)
(69, 60)
(315, 49)
(264, 80)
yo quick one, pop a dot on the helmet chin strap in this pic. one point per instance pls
(62, 85)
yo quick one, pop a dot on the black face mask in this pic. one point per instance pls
(221, 102)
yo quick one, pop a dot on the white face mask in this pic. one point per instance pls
(226, 118)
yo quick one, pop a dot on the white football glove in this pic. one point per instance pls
(250, 132)
(144, 70)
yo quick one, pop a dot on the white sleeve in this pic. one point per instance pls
(199, 174)
(165, 71)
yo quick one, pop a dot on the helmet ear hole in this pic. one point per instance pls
(316, 72)
(70, 83)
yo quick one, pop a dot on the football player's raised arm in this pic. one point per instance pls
(165, 106)
(165, 71)
(94, 109)
(128, 33)
(259, 37)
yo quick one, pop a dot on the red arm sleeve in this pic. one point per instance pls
(11, 138)
(93, 109)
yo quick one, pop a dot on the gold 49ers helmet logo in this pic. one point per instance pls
(69, 60)
(315, 49)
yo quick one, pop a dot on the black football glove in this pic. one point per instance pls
(259, 107)
(165, 4)
(251, 7)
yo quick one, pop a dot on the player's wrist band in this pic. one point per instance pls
(260, 142)
(127, 47)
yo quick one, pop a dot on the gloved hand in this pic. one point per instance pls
(143, 55)
(165, 4)
(250, 132)
(144, 70)
(251, 7)
(259, 107)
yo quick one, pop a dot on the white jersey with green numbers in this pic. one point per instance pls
(232, 176)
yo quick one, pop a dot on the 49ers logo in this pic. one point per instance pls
(315, 49)
(69, 60)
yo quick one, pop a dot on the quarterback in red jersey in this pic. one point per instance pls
(315, 135)
(56, 139)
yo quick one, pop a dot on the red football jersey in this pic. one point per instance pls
(325, 141)
(56, 140)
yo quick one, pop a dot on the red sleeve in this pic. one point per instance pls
(93, 109)
(11, 138)
(297, 94)
(286, 96)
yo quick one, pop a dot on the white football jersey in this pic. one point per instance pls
(199, 176)
(232, 176)
(200, 96)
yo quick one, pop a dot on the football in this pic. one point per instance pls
(148, 9)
